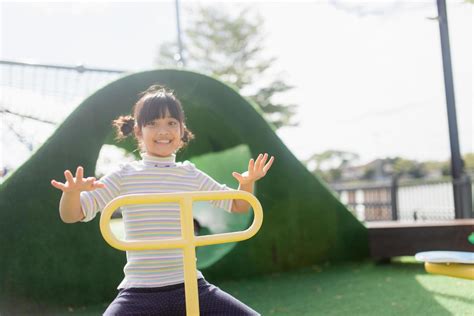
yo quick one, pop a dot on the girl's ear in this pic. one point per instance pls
(138, 131)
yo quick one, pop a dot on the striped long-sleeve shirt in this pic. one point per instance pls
(151, 268)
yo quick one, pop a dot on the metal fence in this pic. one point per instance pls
(35, 98)
(403, 200)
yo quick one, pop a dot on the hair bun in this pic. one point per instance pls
(127, 126)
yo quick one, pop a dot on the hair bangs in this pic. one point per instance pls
(159, 106)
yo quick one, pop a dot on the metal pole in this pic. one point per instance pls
(180, 60)
(456, 160)
(394, 197)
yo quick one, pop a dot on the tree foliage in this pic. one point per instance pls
(329, 164)
(231, 48)
(339, 166)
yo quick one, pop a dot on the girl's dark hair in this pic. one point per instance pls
(155, 102)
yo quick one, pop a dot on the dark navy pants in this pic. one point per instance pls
(170, 301)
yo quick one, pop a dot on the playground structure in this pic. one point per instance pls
(392, 239)
(321, 217)
(188, 242)
(458, 264)
(228, 130)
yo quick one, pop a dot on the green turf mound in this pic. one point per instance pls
(45, 259)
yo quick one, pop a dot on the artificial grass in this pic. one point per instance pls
(399, 288)
(357, 289)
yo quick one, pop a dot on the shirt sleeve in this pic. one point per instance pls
(206, 183)
(93, 202)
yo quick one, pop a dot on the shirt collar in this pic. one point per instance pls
(170, 160)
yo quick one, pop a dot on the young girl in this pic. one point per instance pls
(153, 283)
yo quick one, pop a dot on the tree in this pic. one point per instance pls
(329, 164)
(331, 158)
(469, 161)
(407, 167)
(387, 167)
(231, 48)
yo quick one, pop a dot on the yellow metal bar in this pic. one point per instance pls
(190, 274)
(188, 242)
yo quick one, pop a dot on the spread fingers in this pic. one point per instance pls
(79, 174)
(68, 176)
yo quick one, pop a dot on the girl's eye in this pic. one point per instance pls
(173, 123)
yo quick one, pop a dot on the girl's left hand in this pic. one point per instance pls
(257, 170)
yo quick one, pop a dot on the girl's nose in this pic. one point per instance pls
(162, 131)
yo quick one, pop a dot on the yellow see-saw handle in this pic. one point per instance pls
(188, 242)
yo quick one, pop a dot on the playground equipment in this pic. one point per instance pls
(458, 264)
(224, 123)
(188, 242)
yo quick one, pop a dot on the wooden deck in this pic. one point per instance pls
(394, 238)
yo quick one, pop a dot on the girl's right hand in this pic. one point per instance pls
(77, 184)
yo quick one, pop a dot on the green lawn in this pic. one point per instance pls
(357, 289)
(399, 288)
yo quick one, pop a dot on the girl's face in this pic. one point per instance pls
(161, 137)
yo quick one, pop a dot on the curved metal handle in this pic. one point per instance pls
(185, 199)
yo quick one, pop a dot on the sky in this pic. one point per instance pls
(367, 76)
